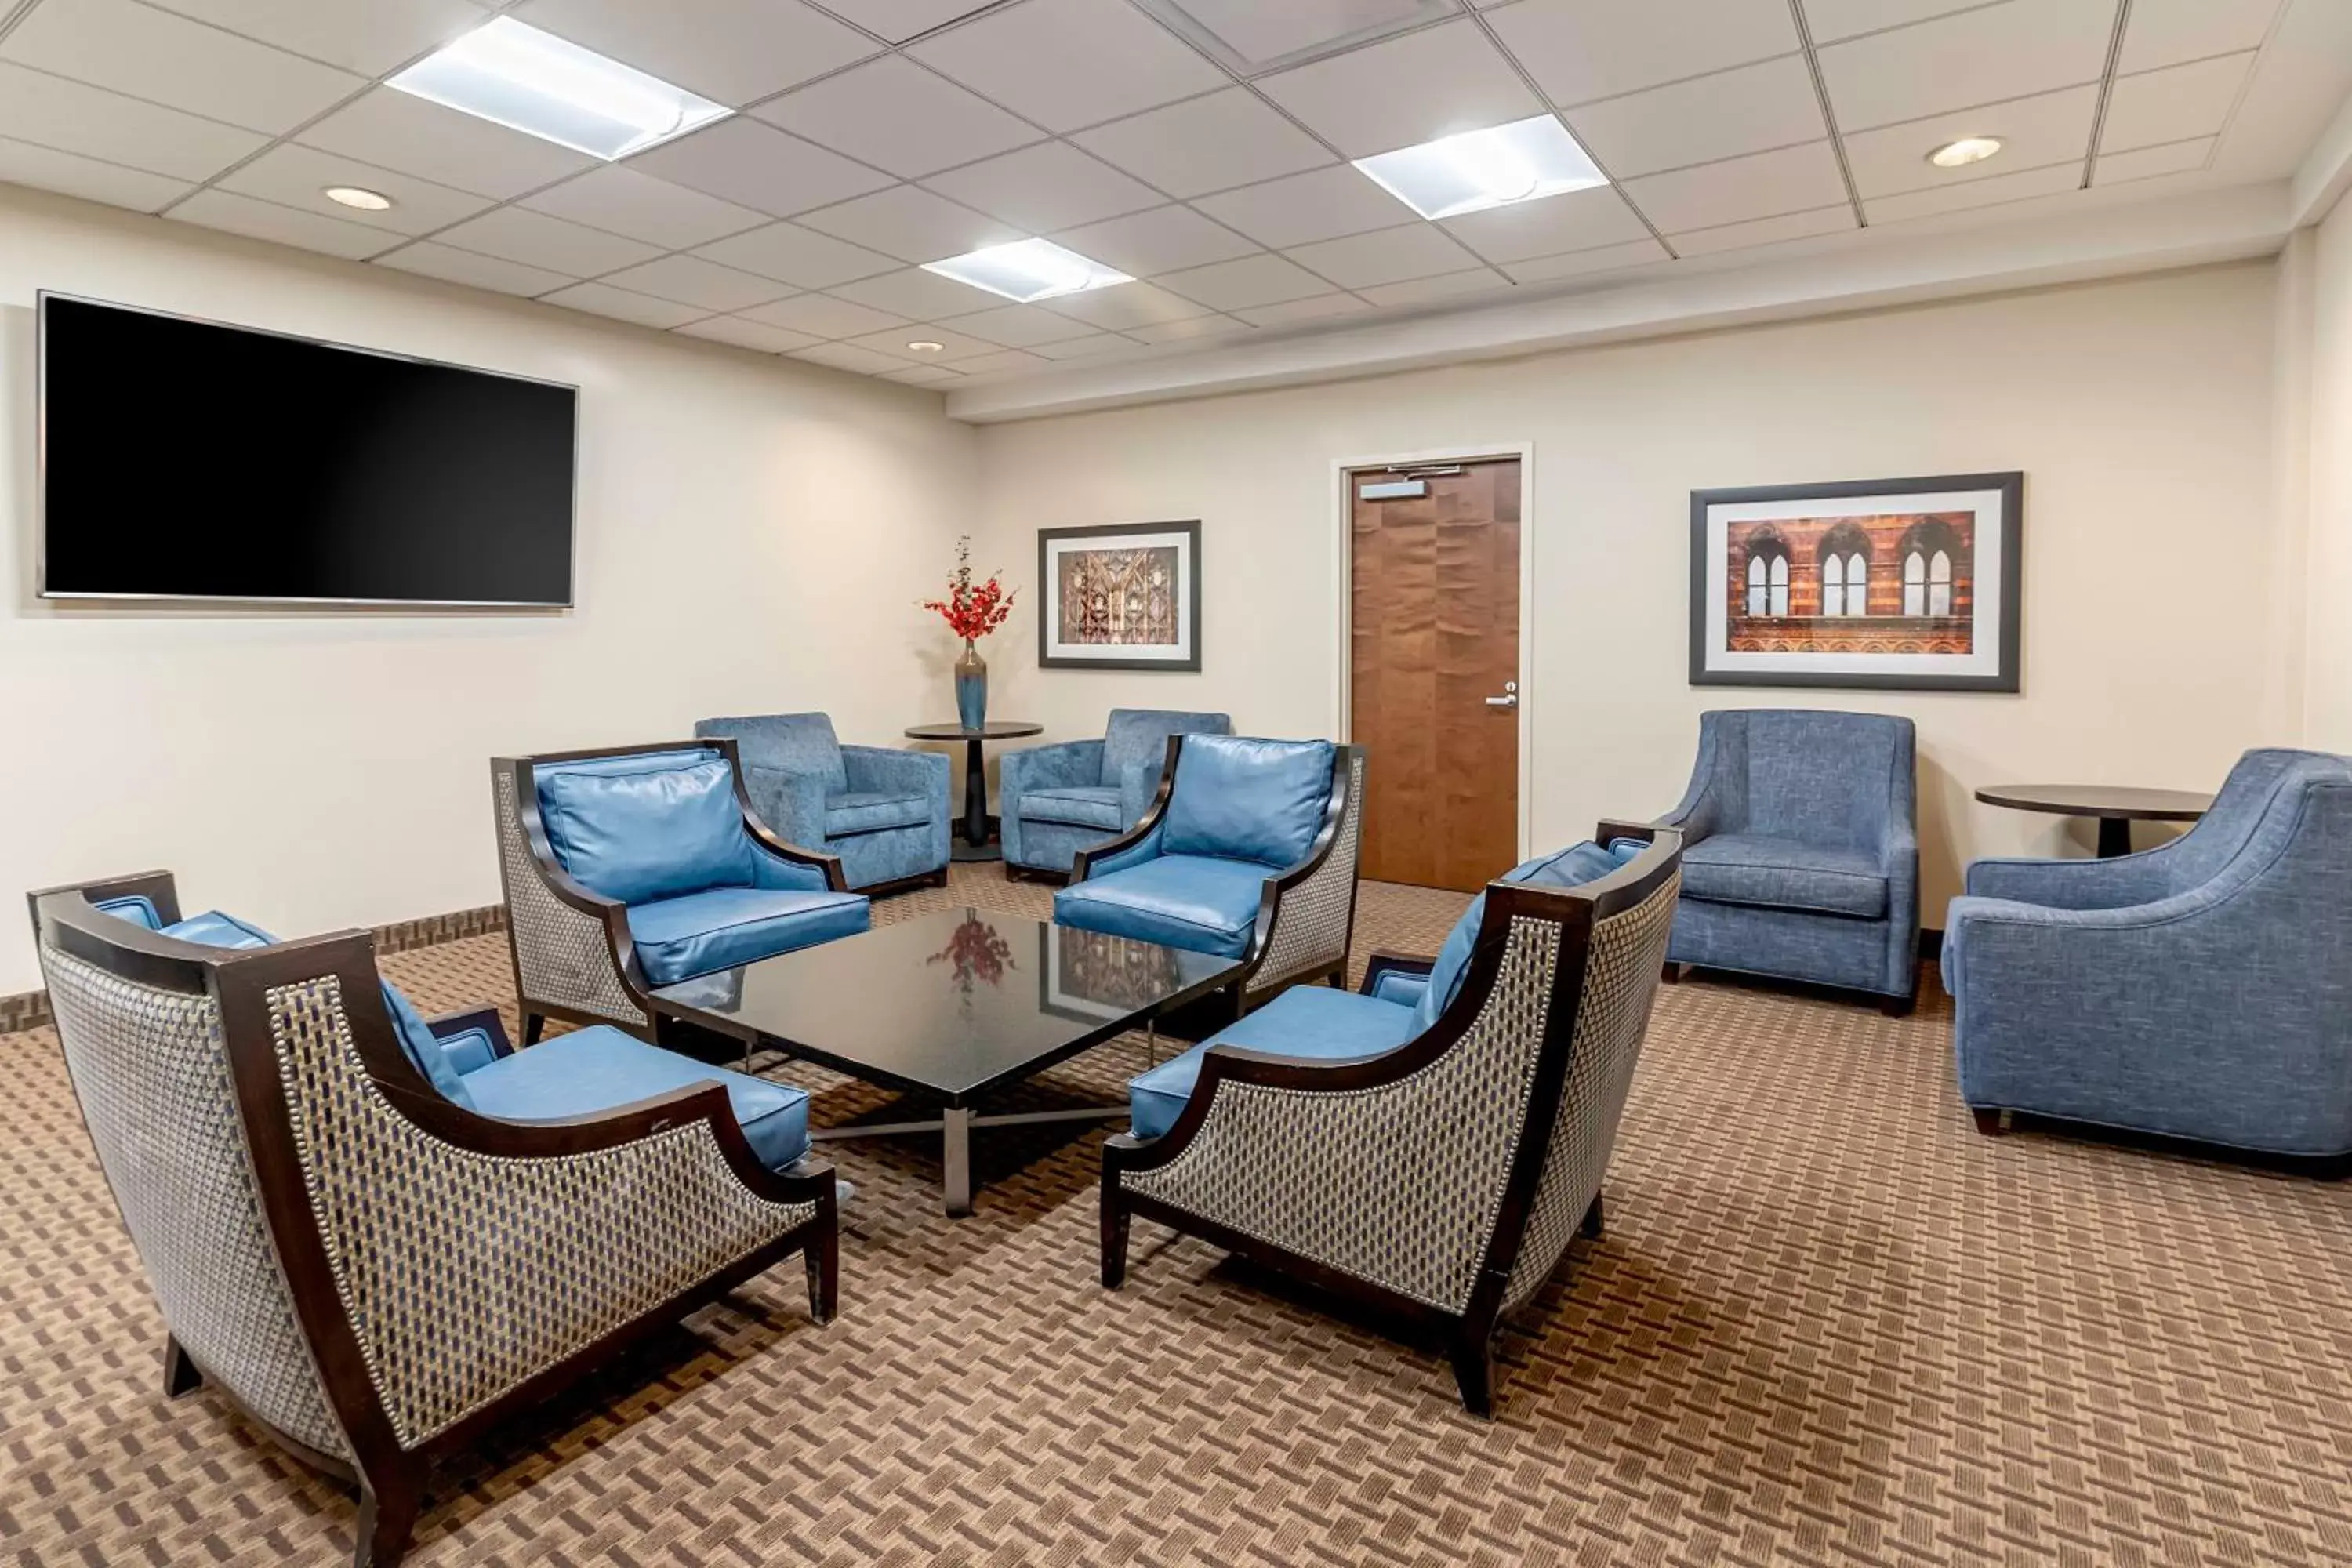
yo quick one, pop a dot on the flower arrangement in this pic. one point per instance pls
(979, 953)
(971, 610)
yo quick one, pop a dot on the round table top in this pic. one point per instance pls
(2113, 802)
(994, 729)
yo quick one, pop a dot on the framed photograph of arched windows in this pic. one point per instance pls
(1877, 585)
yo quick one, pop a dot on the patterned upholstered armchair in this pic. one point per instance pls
(2202, 990)
(371, 1265)
(635, 867)
(1063, 798)
(884, 812)
(1429, 1146)
(1248, 850)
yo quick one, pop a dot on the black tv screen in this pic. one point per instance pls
(185, 459)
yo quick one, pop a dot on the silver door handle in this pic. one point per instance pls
(1508, 700)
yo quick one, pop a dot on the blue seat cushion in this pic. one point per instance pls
(598, 1070)
(1197, 902)
(1247, 800)
(638, 836)
(1081, 806)
(854, 812)
(1313, 1022)
(1569, 868)
(719, 928)
(1784, 873)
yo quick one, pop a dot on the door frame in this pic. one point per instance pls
(1343, 560)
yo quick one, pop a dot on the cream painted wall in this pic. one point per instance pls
(751, 535)
(2139, 410)
(2329, 311)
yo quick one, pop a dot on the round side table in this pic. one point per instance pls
(975, 845)
(2116, 807)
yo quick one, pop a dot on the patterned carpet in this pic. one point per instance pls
(1830, 1324)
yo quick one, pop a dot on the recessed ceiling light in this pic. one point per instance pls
(1027, 270)
(1967, 149)
(925, 346)
(1481, 169)
(354, 196)
(536, 83)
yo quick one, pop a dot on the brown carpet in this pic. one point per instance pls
(1830, 1324)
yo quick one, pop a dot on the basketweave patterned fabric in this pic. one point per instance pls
(151, 1070)
(463, 1273)
(1400, 1185)
(1310, 925)
(1612, 1015)
(563, 955)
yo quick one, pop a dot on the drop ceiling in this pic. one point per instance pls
(1202, 146)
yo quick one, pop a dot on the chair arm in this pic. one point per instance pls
(791, 805)
(1068, 765)
(1697, 811)
(885, 770)
(2120, 882)
(1137, 781)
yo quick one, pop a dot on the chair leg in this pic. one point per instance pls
(824, 1256)
(1672, 975)
(181, 1377)
(533, 1025)
(388, 1509)
(1991, 1123)
(1473, 1355)
(1593, 1219)
(1897, 1007)
(1114, 1239)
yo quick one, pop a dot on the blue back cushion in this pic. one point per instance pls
(794, 742)
(1247, 800)
(1577, 864)
(136, 908)
(1140, 735)
(656, 834)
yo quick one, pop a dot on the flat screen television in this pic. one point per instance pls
(185, 459)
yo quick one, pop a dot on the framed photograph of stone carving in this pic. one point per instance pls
(1123, 596)
(1907, 585)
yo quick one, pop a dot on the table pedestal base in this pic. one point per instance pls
(2114, 837)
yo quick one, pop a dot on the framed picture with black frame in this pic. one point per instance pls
(1119, 596)
(1870, 585)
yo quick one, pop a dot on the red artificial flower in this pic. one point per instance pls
(972, 611)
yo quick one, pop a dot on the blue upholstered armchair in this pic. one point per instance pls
(1248, 850)
(1058, 800)
(1800, 856)
(638, 866)
(884, 812)
(2202, 990)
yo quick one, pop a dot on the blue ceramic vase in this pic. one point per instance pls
(972, 688)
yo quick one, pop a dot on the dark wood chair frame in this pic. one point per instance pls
(390, 1479)
(612, 914)
(1468, 1337)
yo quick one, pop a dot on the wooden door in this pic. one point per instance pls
(1433, 640)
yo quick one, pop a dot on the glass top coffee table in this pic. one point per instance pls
(955, 1007)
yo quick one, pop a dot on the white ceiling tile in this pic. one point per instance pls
(1252, 280)
(2173, 32)
(1018, 326)
(1002, 360)
(2025, 184)
(1192, 327)
(1986, 56)
(1385, 255)
(1145, 244)
(1123, 306)
(823, 316)
(918, 295)
(2117, 168)
(757, 165)
(180, 64)
(624, 201)
(1065, 64)
(2048, 128)
(1323, 203)
(451, 265)
(622, 305)
(1579, 50)
(1584, 263)
(1838, 219)
(1764, 184)
(1320, 308)
(535, 239)
(1087, 347)
(690, 280)
(370, 37)
(228, 211)
(1050, 186)
(297, 176)
(894, 114)
(394, 129)
(1750, 109)
(1405, 90)
(2173, 104)
(953, 345)
(745, 335)
(1203, 144)
(803, 257)
(1450, 286)
(911, 224)
(923, 375)
(843, 356)
(731, 50)
(898, 20)
(1577, 220)
(1830, 20)
(70, 117)
(71, 174)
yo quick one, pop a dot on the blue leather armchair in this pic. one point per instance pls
(1057, 800)
(637, 866)
(1801, 857)
(2202, 990)
(884, 812)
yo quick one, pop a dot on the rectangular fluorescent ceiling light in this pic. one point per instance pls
(538, 83)
(1480, 169)
(1027, 270)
